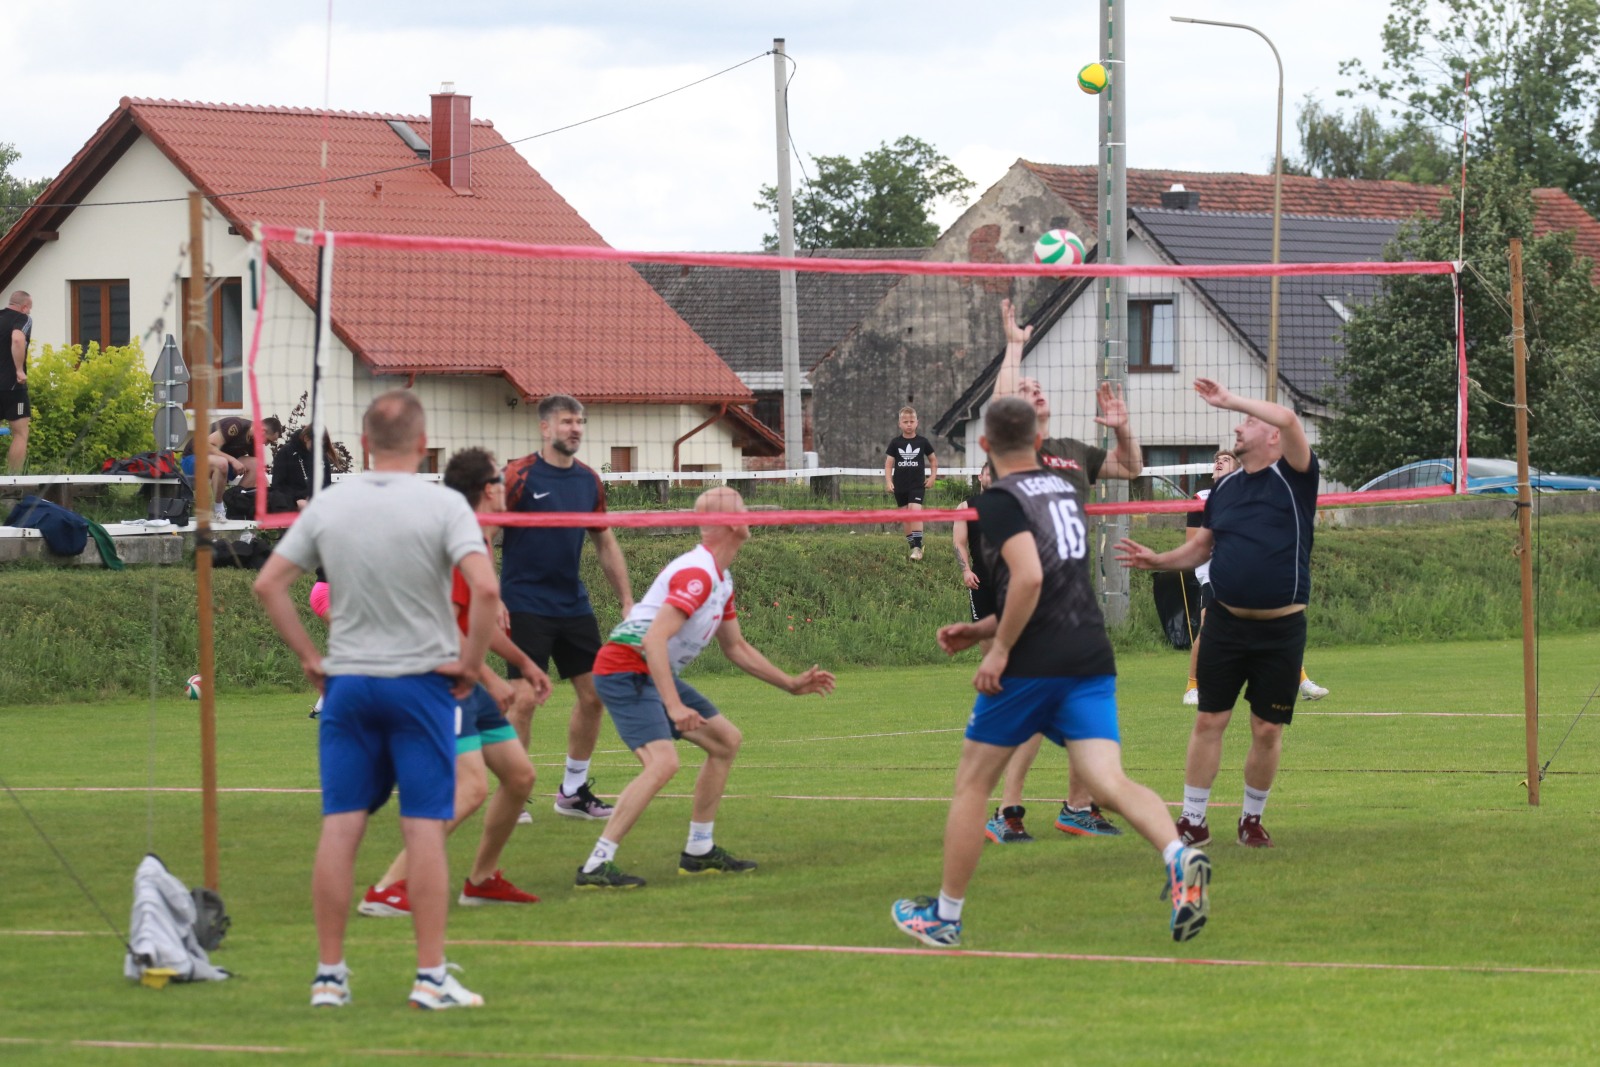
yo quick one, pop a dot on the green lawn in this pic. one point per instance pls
(1416, 909)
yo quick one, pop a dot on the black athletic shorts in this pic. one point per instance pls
(1260, 656)
(902, 497)
(982, 600)
(573, 642)
(14, 403)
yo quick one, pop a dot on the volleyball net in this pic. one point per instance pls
(678, 359)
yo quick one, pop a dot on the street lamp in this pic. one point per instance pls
(1277, 204)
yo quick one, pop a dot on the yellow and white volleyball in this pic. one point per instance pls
(1092, 79)
(191, 688)
(1061, 247)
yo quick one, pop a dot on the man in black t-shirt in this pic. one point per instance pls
(1257, 532)
(16, 332)
(1082, 465)
(230, 451)
(908, 473)
(1049, 670)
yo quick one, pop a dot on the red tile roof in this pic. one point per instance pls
(1333, 197)
(595, 330)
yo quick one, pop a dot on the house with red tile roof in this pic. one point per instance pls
(480, 338)
(936, 343)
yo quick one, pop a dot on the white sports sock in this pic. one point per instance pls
(1170, 853)
(605, 850)
(1195, 801)
(699, 839)
(949, 908)
(433, 974)
(338, 970)
(577, 775)
(1255, 801)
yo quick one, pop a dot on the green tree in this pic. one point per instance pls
(1397, 381)
(1361, 146)
(15, 193)
(89, 405)
(882, 200)
(1534, 94)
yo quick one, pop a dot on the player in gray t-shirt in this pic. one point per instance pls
(394, 671)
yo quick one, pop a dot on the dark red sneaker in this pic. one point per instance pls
(1194, 835)
(1252, 834)
(493, 890)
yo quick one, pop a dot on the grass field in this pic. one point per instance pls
(1416, 909)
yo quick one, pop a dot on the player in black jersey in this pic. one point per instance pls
(1257, 530)
(1049, 670)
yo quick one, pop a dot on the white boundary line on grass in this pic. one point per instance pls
(981, 954)
(1070, 957)
(420, 1053)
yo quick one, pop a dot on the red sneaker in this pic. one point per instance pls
(1252, 834)
(1195, 834)
(493, 890)
(388, 903)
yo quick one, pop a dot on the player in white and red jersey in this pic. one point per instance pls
(636, 675)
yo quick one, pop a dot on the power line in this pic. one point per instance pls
(420, 163)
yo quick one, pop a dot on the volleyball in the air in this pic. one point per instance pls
(192, 688)
(1059, 247)
(1092, 79)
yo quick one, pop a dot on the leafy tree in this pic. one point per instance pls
(15, 193)
(882, 200)
(1534, 94)
(1361, 146)
(1394, 401)
(89, 405)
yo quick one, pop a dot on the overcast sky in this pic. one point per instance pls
(984, 83)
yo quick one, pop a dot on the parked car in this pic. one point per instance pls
(1483, 476)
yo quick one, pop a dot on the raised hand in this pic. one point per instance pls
(1214, 393)
(1113, 409)
(1014, 335)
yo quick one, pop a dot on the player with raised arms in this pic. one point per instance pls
(636, 674)
(1048, 670)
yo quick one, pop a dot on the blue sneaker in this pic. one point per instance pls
(1188, 882)
(1085, 823)
(920, 919)
(1006, 828)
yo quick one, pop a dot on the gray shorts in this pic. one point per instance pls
(636, 708)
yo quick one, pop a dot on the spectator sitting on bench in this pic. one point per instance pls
(290, 489)
(230, 450)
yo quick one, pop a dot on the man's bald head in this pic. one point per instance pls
(721, 499)
(394, 422)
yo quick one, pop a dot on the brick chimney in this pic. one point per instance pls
(450, 139)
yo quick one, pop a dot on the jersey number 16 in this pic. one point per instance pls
(1072, 540)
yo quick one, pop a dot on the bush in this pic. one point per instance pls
(88, 406)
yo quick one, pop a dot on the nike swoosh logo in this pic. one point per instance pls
(540, 496)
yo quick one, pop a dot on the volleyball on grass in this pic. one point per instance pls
(192, 687)
(1059, 246)
(1092, 79)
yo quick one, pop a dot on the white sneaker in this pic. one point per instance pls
(1191, 698)
(525, 818)
(916, 553)
(1310, 690)
(436, 996)
(330, 991)
(219, 512)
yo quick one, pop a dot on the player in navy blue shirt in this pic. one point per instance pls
(1257, 532)
(551, 616)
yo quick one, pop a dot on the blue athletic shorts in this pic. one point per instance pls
(636, 708)
(481, 722)
(1063, 709)
(375, 733)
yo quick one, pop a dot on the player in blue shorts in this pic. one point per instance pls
(1049, 670)
(396, 665)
